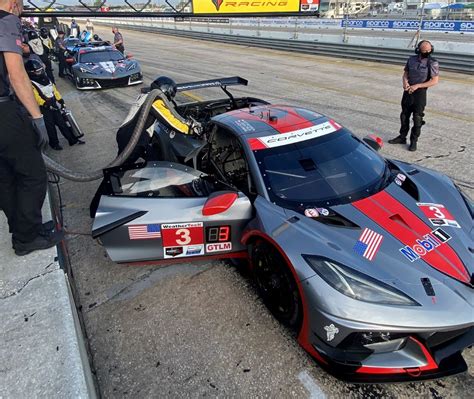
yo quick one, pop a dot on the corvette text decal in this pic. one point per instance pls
(296, 136)
(438, 215)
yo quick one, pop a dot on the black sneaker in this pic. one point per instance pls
(41, 242)
(412, 146)
(57, 147)
(398, 140)
(46, 229)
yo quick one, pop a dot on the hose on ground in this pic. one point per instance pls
(68, 174)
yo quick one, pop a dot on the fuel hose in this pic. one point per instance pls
(68, 174)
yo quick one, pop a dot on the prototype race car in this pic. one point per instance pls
(368, 260)
(99, 65)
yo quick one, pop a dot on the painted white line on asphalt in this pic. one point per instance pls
(309, 383)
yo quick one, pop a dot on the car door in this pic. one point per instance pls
(161, 211)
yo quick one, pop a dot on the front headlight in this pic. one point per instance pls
(357, 285)
(84, 70)
(131, 66)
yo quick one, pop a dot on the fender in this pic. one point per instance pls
(303, 336)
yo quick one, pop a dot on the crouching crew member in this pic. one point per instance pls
(50, 102)
(163, 112)
(421, 72)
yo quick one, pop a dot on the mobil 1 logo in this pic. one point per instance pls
(425, 245)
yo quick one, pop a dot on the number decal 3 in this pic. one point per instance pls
(437, 212)
(184, 236)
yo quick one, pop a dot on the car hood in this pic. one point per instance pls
(390, 236)
(109, 68)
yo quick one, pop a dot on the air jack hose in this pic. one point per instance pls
(68, 174)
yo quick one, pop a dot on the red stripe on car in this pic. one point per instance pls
(406, 227)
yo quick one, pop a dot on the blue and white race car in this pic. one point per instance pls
(98, 67)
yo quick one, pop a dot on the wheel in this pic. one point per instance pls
(277, 286)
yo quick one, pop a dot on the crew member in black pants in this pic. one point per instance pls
(421, 72)
(61, 49)
(23, 177)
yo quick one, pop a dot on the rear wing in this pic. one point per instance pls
(202, 84)
(221, 82)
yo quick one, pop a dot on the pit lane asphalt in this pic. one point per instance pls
(196, 330)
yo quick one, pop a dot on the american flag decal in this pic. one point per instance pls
(144, 231)
(368, 244)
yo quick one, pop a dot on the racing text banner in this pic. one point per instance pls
(254, 6)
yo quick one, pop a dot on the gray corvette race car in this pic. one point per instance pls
(368, 260)
(98, 67)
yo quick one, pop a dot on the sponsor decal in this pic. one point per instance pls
(309, 5)
(311, 213)
(219, 247)
(296, 136)
(331, 332)
(439, 25)
(368, 244)
(406, 24)
(323, 211)
(217, 3)
(378, 24)
(144, 231)
(425, 245)
(438, 215)
(195, 250)
(244, 126)
(173, 252)
(187, 236)
(400, 179)
(466, 27)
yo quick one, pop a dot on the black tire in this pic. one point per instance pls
(277, 286)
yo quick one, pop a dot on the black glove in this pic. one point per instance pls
(40, 129)
(61, 103)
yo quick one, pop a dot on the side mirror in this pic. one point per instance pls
(70, 60)
(374, 141)
(219, 202)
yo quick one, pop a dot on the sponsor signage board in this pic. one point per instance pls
(255, 6)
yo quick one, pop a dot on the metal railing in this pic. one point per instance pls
(449, 61)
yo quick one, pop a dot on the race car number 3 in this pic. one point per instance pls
(180, 234)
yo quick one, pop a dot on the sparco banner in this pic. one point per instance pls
(432, 25)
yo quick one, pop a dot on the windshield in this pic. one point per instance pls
(95, 57)
(72, 42)
(328, 170)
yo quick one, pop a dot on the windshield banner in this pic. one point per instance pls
(259, 6)
(296, 136)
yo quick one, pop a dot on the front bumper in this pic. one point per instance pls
(92, 83)
(375, 355)
(404, 359)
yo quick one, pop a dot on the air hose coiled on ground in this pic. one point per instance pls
(68, 174)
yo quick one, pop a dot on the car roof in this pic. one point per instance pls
(268, 119)
(271, 125)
